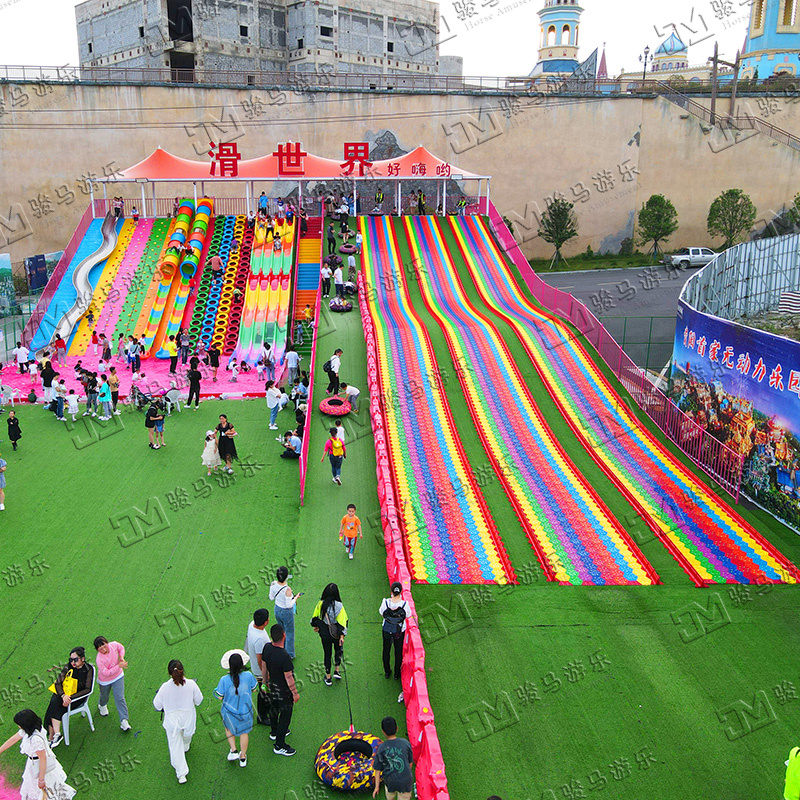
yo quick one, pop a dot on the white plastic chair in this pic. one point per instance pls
(84, 709)
(7, 395)
(173, 398)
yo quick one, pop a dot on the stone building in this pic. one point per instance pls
(261, 35)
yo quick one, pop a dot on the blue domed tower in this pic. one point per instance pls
(671, 54)
(773, 39)
(558, 50)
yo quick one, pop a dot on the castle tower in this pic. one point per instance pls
(558, 45)
(773, 39)
(671, 54)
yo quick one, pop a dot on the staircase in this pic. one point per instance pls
(726, 122)
(307, 280)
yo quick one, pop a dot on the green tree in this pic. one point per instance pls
(658, 220)
(731, 215)
(557, 226)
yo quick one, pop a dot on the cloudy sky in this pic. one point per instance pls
(495, 37)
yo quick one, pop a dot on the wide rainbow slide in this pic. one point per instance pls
(576, 537)
(708, 538)
(450, 537)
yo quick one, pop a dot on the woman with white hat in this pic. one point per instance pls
(235, 690)
(178, 699)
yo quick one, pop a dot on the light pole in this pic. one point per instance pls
(644, 58)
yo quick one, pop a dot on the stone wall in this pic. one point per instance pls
(606, 155)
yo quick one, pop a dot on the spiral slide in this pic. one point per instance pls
(711, 541)
(450, 536)
(576, 537)
(74, 292)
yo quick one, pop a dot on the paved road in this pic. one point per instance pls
(638, 292)
(625, 300)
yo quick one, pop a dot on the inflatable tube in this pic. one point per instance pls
(347, 249)
(345, 760)
(335, 406)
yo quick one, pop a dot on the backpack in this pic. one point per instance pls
(326, 367)
(337, 448)
(393, 619)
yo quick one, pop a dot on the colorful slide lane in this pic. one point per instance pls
(576, 537)
(710, 540)
(450, 536)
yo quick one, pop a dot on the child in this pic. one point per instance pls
(309, 316)
(298, 332)
(14, 432)
(121, 347)
(350, 529)
(101, 365)
(260, 369)
(95, 339)
(135, 214)
(234, 373)
(78, 371)
(33, 371)
(359, 242)
(210, 457)
(339, 430)
(351, 394)
(244, 366)
(72, 404)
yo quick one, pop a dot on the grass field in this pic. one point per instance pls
(539, 690)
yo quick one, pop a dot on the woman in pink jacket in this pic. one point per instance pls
(110, 677)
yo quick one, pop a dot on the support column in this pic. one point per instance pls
(153, 215)
(144, 202)
(444, 193)
(355, 198)
(480, 186)
(105, 198)
(488, 188)
(397, 199)
(194, 187)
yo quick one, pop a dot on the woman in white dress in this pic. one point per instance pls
(42, 772)
(178, 699)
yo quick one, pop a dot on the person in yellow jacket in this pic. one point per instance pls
(329, 620)
(791, 789)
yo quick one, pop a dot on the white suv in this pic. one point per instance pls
(692, 257)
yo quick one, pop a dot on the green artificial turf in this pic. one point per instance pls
(64, 486)
(565, 692)
(641, 670)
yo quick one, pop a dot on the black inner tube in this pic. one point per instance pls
(353, 746)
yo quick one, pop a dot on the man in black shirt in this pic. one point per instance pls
(194, 376)
(213, 360)
(150, 417)
(277, 672)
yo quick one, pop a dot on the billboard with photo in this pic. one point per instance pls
(743, 386)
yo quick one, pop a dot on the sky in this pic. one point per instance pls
(495, 37)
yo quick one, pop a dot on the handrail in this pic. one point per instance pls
(723, 121)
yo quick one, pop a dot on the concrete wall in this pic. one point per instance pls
(606, 155)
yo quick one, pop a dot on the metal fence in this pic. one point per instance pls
(648, 341)
(747, 279)
(709, 454)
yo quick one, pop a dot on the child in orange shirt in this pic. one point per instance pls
(350, 529)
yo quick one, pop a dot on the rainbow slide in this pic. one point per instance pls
(576, 537)
(709, 539)
(450, 537)
(267, 297)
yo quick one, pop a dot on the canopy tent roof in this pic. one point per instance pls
(420, 164)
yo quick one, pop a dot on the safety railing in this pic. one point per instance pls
(722, 463)
(430, 771)
(312, 371)
(35, 319)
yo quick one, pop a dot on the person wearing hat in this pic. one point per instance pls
(178, 699)
(236, 692)
(393, 611)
